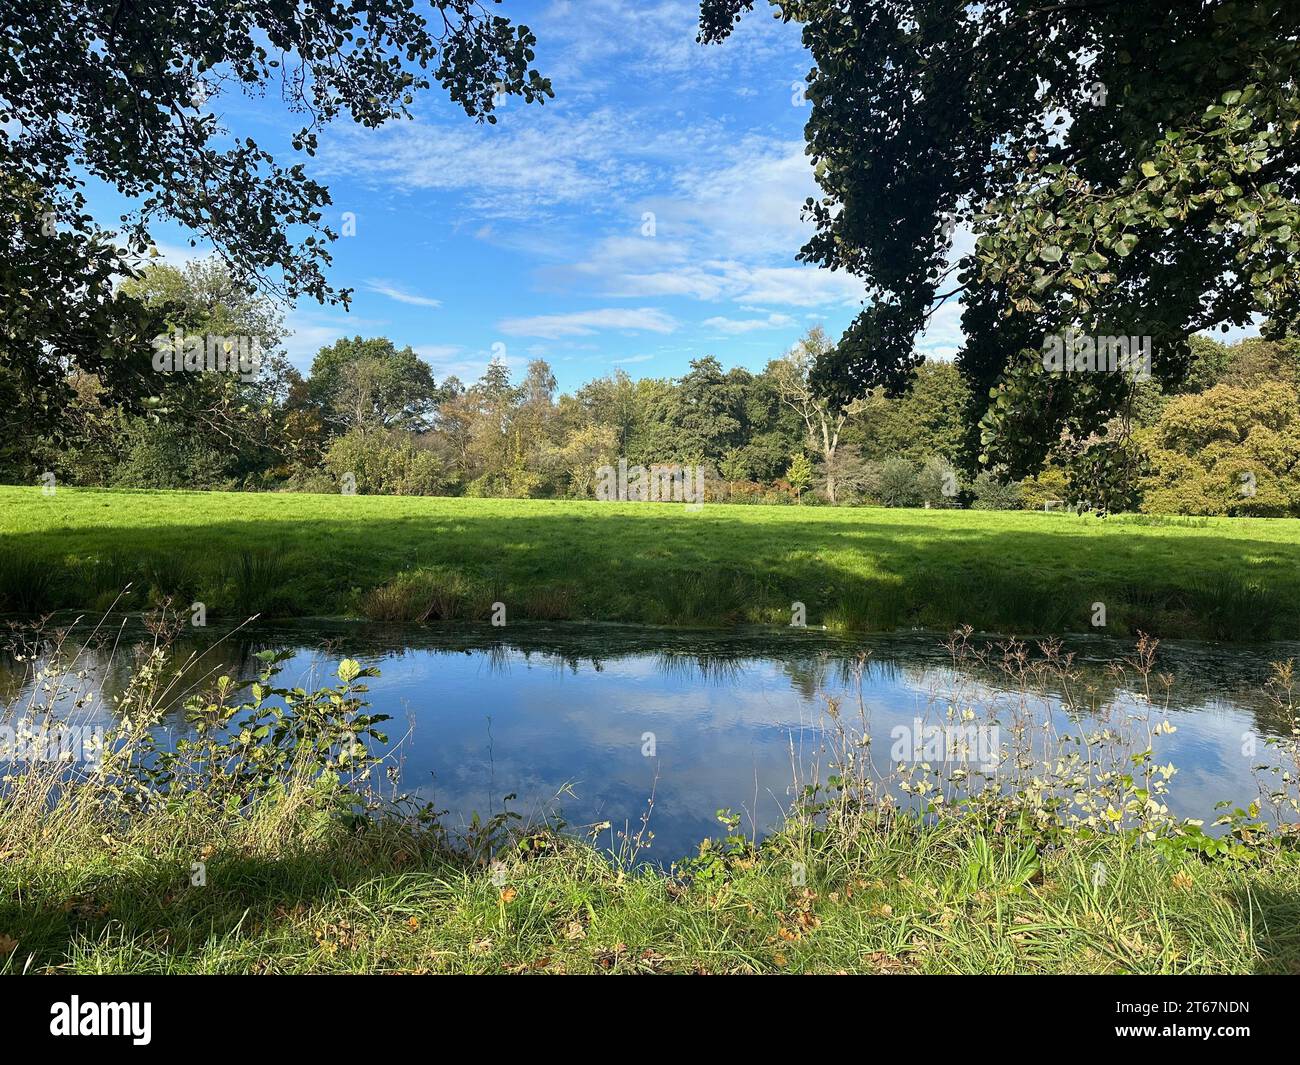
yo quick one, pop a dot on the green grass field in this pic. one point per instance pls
(416, 558)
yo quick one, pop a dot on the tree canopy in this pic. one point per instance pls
(123, 93)
(372, 384)
(1125, 169)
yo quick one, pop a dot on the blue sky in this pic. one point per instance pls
(525, 239)
(528, 239)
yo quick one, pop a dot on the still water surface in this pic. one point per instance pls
(560, 715)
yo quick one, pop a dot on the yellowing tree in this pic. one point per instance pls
(1227, 450)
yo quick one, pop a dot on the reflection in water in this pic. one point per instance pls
(559, 715)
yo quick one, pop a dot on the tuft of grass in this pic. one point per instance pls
(428, 595)
(27, 584)
(176, 577)
(865, 607)
(109, 577)
(704, 595)
(556, 602)
(1236, 608)
(253, 581)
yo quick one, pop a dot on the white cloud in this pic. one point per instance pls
(753, 204)
(633, 358)
(585, 323)
(735, 326)
(395, 292)
(799, 286)
(181, 255)
(652, 39)
(943, 337)
(514, 169)
(306, 337)
(729, 233)
(784, 286)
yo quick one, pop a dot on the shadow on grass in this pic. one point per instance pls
(1275, 916)
(248, 910)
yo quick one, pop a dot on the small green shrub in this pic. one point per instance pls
(385, 464)
(991, 493)
(937, 483)
(897, 485)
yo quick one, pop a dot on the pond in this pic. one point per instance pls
(594, 724)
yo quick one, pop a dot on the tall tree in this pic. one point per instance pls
(1126, 169)
(710, 405)
(371, 384)
(924, 422)
(202, 301)
(822, 421)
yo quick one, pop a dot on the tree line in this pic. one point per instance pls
(371, 416)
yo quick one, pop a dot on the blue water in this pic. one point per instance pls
(585, 724)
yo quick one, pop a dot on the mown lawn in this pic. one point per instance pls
(862, 569)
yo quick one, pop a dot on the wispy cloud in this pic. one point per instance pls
(713, 280)
(585, 323)
(733, 326)
(395, 292)
(437, 352)
(729, 233)
(593, 45)
(453, 360)
(514, 170)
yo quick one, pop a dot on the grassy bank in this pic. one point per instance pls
(858, 569)
(284, 893)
